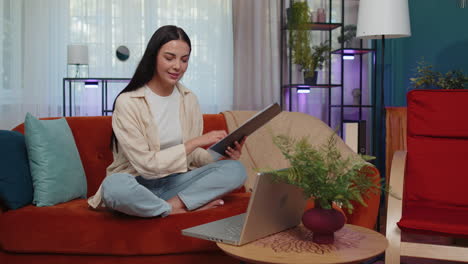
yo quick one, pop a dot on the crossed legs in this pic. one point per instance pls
(198, 189)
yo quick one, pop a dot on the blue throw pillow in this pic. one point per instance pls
(56, 169)
(16, 188)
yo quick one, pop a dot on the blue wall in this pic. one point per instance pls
(439, 34)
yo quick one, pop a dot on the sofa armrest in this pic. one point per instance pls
(394, 206)
(2, 207)
(366, 216)
(395, 139)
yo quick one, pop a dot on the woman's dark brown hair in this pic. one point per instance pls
(147, 66)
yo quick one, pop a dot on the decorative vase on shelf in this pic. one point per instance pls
(77, 70)
(321, 17)
(356, 93)
(322, 76)
(313, 16)
(323, 223)
(311, 80)
(297, 74)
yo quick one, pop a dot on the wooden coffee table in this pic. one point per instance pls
(353, 244)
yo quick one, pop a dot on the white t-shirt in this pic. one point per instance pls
(165, 110)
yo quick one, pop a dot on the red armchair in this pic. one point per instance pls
(431, 176)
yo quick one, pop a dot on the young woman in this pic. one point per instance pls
(159, 166)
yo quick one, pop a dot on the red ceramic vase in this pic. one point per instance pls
(323, 223)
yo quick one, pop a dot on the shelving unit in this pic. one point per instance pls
(290, 87)
(321, 26)
(68, 94)
(361, 108)
(352, 51)
(335, 99)
(297, 85)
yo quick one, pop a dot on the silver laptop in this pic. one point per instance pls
(273, 207)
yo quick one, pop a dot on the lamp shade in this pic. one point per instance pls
(77, 54)
(377, 18)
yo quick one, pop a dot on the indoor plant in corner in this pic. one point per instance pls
(425, 77)
(327, 177)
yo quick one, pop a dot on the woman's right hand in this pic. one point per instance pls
(211, 137)
(204, 140)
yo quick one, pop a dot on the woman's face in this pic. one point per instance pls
(172, 62)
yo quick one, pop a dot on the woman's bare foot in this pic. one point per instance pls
(178, 206)
(212, 204)
(178, 210)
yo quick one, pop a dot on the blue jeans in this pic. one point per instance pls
(142, 197)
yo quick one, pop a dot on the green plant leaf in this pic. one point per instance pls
(323, 173)
(426, 77)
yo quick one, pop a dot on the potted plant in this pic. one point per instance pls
(426, 77)
(309, 58)
(349, 35)
(316, 63)
(327, 177)
(298, 15)
(299, 36)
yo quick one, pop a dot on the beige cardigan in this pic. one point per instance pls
(138, 139)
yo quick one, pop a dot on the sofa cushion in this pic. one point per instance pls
(75, 229)
(437, 139)
(445, 181)
(55, 163)
(15, 179)
(431, 113)
(427, 218)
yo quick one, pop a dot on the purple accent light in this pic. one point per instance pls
(303, 90)
(355, 51)
(91, 84)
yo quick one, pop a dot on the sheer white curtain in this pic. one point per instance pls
(10, 61)
(33, 58)
(35, 35)
(256, 53)
(106, 24)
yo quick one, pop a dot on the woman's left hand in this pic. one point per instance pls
(235, 153)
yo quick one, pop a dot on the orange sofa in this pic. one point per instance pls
(72, 233)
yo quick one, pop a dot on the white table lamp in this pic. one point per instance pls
(77, 56)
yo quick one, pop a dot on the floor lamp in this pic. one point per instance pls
(381, 19)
